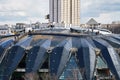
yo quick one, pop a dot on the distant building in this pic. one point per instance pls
(116, 22)
(114, 27)
(39, 26)
(92, 23)
(5, 30)
(20, 27)
(65, 11)
(36, 25)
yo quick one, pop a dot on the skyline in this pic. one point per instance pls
(65, 11)
(12, 11)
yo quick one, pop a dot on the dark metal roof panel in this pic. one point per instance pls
(56, 40)
(89, 58)
(115, 43)
(37, 56)
(116, 37)
(11, 61)
(65, 57)
(6, 43)
(90, 40)
(76, 42)
(1, 51)
(59, 57)
(41, 55)
(55, 58)
(30, 58)
(111, 57)
(25, 42)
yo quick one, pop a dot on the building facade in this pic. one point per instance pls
(5, 30)
(65, 11)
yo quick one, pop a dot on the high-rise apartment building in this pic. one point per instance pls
(67, 11)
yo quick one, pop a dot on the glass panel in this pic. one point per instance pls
(100, 63)
(72, 71)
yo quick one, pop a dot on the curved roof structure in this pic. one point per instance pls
(61, 48)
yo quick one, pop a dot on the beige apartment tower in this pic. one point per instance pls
(65, 11)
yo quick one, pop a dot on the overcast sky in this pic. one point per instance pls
(12, 11)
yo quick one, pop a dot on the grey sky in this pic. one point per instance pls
(11, 11)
